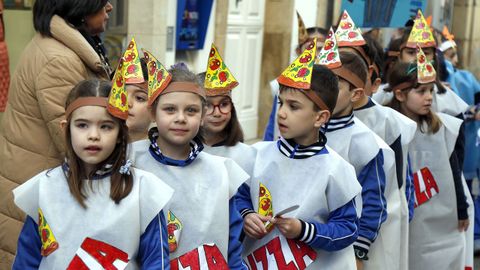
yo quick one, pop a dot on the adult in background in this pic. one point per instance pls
(4, 68)
(65, 50)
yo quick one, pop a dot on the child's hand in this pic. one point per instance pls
(359, 264)
(463, 225)
(253, 225)
(289, 227)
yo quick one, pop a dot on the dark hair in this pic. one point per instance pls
(375, 52)
(143, 62)
(233, 132)
(355, 64)
(72, 11)
(399, 75)
(121, 184)
(311, 31)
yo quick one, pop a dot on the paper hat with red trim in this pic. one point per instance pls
(299, 73)
(302, 30)
(421, 33)
(117, 100)
(218, 78)
(158, 77)
(449, 43)
(425, 71)
(133, 68)
(329, 55)
(348, 34)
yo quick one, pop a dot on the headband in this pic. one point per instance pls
(349, 76)
(316, 99)
(184, 87)
(86, 101)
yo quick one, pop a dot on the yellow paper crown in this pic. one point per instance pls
(329, 55)
(425, 71)
(421, 33)
(117, 100)
(218, 78)
(302, 30)
(348, 34)
(133, 68)
(299, 73)
(158, 77)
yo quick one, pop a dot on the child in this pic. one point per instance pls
(94, 211)
(391, 248)
(305, 37)
(299, 170)
(203, 224)
(357, 144)
(222, 132)
(444, 100)
(437, 237)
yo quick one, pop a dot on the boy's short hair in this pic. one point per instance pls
(355, 64)
(324, 84)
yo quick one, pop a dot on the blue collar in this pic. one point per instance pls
(196, 146)
(369, 104)
(339, 123)
(290, 149)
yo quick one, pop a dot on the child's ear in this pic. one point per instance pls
(400, 95)
(63, 124)
(357, 94)
(376, 84)
(322, 117)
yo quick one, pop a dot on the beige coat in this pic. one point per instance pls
(31, 139)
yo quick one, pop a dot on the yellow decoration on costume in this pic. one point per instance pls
(299, 73)
(425, 71)
(347, 33)
(329, 55)
(117, 100)
(133, 68)
(49, 243)
(174, 229)
(421, 33)
(265, 206)
(158, 77)
(218, 78)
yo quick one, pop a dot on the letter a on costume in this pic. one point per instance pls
(425, 186)
(98, 255)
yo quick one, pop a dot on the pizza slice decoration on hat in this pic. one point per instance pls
(421, 33)
(174, 229)
(49, 243)
(218, 77)
(265, 207)
(299, 73)
(425, 71)
(158, 77)
(348, 34)
(117, 100)
(133, 68)
(329, 55)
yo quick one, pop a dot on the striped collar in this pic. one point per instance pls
(339, 123)
(369, 104)
(103, 172)
(290, 149)
(196, 146)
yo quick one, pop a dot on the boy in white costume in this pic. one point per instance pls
(299, 170)
(203, 224)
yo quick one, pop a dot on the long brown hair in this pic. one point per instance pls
(402, 72)
(121, 184)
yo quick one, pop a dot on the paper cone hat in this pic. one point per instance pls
(429, 20)
(117, 100)
(348, 34)
(421, 33)
(133, 68)
(218, 78)
(158, 77)
(329, 55)
(299, 73)
(425, 71)
(302, 30)
(449, 43)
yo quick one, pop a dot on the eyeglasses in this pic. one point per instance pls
(224, 107)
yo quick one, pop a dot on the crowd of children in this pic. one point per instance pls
(362, 166)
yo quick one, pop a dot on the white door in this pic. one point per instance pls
(243, 54)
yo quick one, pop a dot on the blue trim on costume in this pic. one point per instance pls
(410, 190)
(291, 149)
(339, 123)
(29, 247)
(374, 204)
(369, 104)
(153, 252)
(243, 200)
(234, 245)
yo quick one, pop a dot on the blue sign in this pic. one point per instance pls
(192, 23)
(382, 13)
